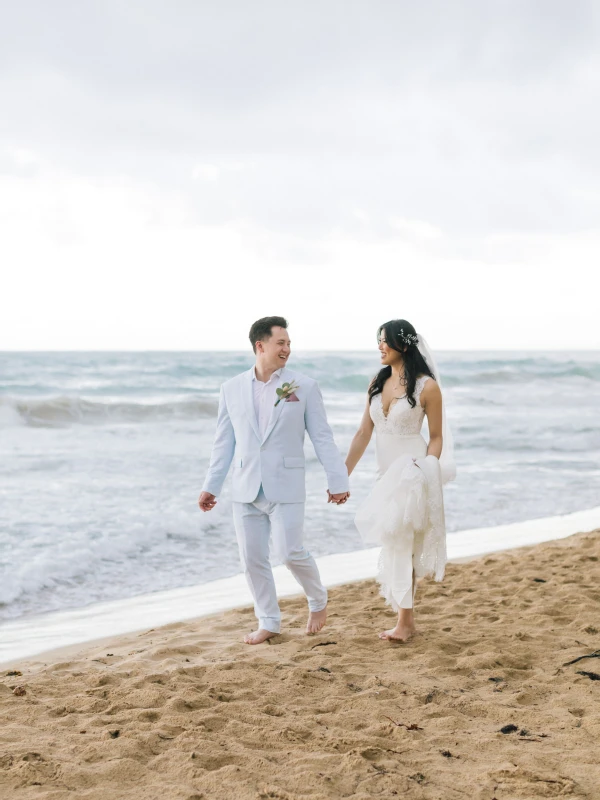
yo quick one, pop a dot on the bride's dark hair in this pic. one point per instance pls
(401, 336)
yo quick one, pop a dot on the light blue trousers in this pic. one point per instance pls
(254, 524)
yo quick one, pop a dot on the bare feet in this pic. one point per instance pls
(401, 633)
(316, 620)
(259, 636)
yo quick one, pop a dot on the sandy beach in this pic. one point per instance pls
(188, 711)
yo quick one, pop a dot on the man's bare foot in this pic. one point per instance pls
(316, 620)
(401, 633)
(259, 636)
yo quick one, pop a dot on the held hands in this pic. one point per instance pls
(207, 501)
(337, 499)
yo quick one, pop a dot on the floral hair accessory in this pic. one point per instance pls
(408, 338)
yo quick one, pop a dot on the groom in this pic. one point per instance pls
(263, 416)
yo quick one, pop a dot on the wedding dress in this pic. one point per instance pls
(404, 513)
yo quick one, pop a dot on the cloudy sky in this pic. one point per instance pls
(170, 171)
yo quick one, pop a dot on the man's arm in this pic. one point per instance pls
(220, 457)
(322, 438)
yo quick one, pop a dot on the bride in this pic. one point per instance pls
(404, 512)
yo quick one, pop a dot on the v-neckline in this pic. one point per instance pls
(393, 402)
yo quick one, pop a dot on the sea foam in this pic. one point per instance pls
(31, 635)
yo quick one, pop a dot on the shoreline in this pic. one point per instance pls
(42, 636)
(496, 697)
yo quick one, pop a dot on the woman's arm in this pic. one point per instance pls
(362, 437)
(431, 400)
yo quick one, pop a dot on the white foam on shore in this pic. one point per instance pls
(30, 636)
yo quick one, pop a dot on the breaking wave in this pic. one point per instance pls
(56, 412)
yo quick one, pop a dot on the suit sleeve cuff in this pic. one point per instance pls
(211, 489)
(339, 488)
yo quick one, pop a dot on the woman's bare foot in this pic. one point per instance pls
(316, 620)
(401, 633)
(259, 636)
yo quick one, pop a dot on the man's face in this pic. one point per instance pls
(274, 352)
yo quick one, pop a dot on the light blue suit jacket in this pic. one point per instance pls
(276, 460)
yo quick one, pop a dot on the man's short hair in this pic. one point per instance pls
(262, 329)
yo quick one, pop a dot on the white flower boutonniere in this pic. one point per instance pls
(286, 392)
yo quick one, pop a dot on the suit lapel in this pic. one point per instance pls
(276, 410)
(248, 397)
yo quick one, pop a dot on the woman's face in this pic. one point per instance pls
(389, 356)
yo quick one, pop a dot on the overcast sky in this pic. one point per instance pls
(170, 171)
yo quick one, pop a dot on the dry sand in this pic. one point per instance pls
(188, 711)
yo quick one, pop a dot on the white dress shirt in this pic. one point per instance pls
(265, 397)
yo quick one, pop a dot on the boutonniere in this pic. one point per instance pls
(286, 392)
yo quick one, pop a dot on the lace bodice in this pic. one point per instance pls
(402, 420)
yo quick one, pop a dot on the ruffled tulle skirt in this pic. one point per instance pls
(404, 513)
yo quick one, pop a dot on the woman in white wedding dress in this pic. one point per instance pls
(404, 512)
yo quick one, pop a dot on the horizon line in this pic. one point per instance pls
(302, 350)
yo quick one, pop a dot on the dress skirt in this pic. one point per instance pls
(404, 513)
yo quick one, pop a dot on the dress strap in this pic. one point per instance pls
(419, 386)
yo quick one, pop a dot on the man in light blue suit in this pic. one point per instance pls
(263, 416)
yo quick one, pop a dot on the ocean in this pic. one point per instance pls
(102, 456)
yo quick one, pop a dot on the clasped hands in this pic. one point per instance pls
(208, 501)
(337, 499)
